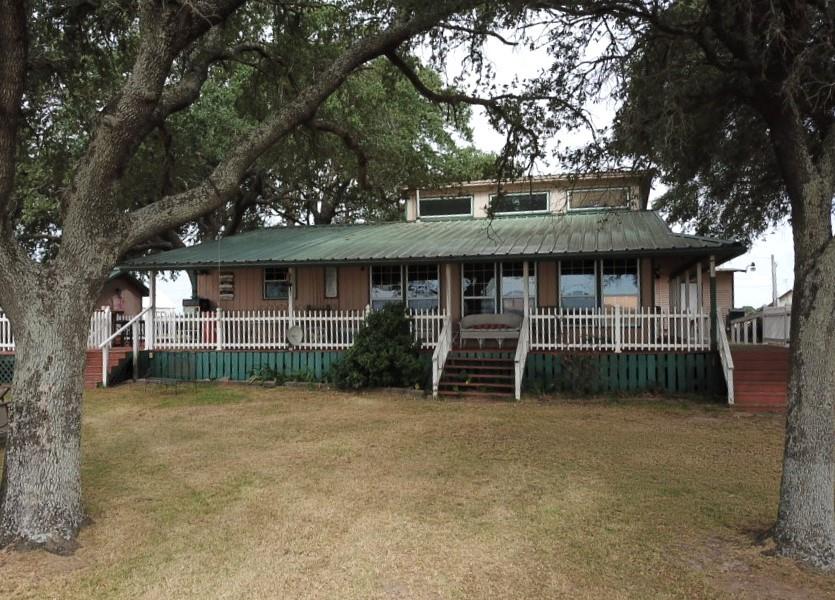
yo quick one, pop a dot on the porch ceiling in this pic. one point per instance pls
(606, 232)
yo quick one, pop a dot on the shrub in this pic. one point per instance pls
(384, 353)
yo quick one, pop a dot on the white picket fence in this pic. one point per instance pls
(267, 330)
(769, 325)
(101, 326)
(617, 330)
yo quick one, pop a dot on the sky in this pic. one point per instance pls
(752, 287)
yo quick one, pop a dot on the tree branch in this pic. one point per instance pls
(223, 182)
(12, 80)
(352, 143)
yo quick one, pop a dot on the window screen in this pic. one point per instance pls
(478, 283)
(602, 198)
(521, 202)
(513, 289)
(446, 207)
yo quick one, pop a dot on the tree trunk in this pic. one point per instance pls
(806, 522)
(40, 495)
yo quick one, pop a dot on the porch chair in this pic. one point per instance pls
(491, 327)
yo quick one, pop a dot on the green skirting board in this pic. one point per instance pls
(6, 368)
(236, 366)
(675, 373)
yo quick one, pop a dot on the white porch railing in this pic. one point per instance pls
(101, 327)
(618, 330)
(522, 347)
(254, 330)
(769, 325)
(442, 349)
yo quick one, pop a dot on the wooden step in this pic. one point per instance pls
(475, 384)
(478, 375)
(479, 395)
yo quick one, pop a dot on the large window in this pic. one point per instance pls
(386, 285)
(276, 283)
(478, 286)
(422, 287)
(451, 206)
(578, 284)
(523, 202)
(513, 288)
(619, 283)
(598, 198)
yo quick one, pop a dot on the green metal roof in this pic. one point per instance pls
(606, 232)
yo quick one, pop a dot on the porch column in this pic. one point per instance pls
(150, 334)
(714, 317)
(525, 289)
(699, 294)
(687, 291)
(192, 275)
(290, 297)
(448, 289)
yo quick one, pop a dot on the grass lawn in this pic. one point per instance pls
(244, 492)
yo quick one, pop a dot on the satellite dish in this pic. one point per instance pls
(295, 335)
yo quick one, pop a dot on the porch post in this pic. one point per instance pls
(448, 289)
(290, 297)
(687, 291)
(713, 315)
(150, 334)
(525, 289)
(699, 294)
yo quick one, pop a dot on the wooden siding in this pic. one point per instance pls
(130, 294)
(546, 281)
(724, 288)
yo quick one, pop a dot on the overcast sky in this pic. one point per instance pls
(753, 288)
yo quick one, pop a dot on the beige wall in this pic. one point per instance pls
(558, 190)
(131, 295)
(724, 288)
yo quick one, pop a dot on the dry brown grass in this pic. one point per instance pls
(243, 492)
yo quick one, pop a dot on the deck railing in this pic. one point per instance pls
(771, 324)
(617, 330)
(521, 357)
(439, 356)
(101, 327)
(266, 330)
(726, 359)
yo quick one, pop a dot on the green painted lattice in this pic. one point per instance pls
(6, 368)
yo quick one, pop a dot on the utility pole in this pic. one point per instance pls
(773, 282)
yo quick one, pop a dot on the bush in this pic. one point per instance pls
(384, 353)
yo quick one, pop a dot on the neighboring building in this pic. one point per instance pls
(785, 299)
(122, 293)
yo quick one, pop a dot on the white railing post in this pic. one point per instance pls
(521, 357)
(440, 354)
(105, 362)
(618, 328)
(135, 336)
(219, 329)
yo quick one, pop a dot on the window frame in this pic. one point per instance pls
(405, 280)
(450, 216)
(596, 282)
(371, 268)
(570, 195)
(533, 299)
(288, 281)
(545, 210)
(495, 299)
(637, 262)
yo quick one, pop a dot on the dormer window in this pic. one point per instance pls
(519, 202)
(581, 199)
(445, 206)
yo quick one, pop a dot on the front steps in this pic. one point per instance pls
(761, 377)
(117, 356)
(478, 374)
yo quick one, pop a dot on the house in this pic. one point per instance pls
(581, 260)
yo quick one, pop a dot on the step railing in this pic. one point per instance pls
(726, 359)
(769, 325)
(104, 346)
(439, 356)
(522, 348)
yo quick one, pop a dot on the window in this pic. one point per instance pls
(478, 285)
(276, 283)
(457, 206)
(619, 283)
(386, 285)
(513, 286)
(331, 282)
(578, 284)
(598, 198)
(422, 287)
(523, 202)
